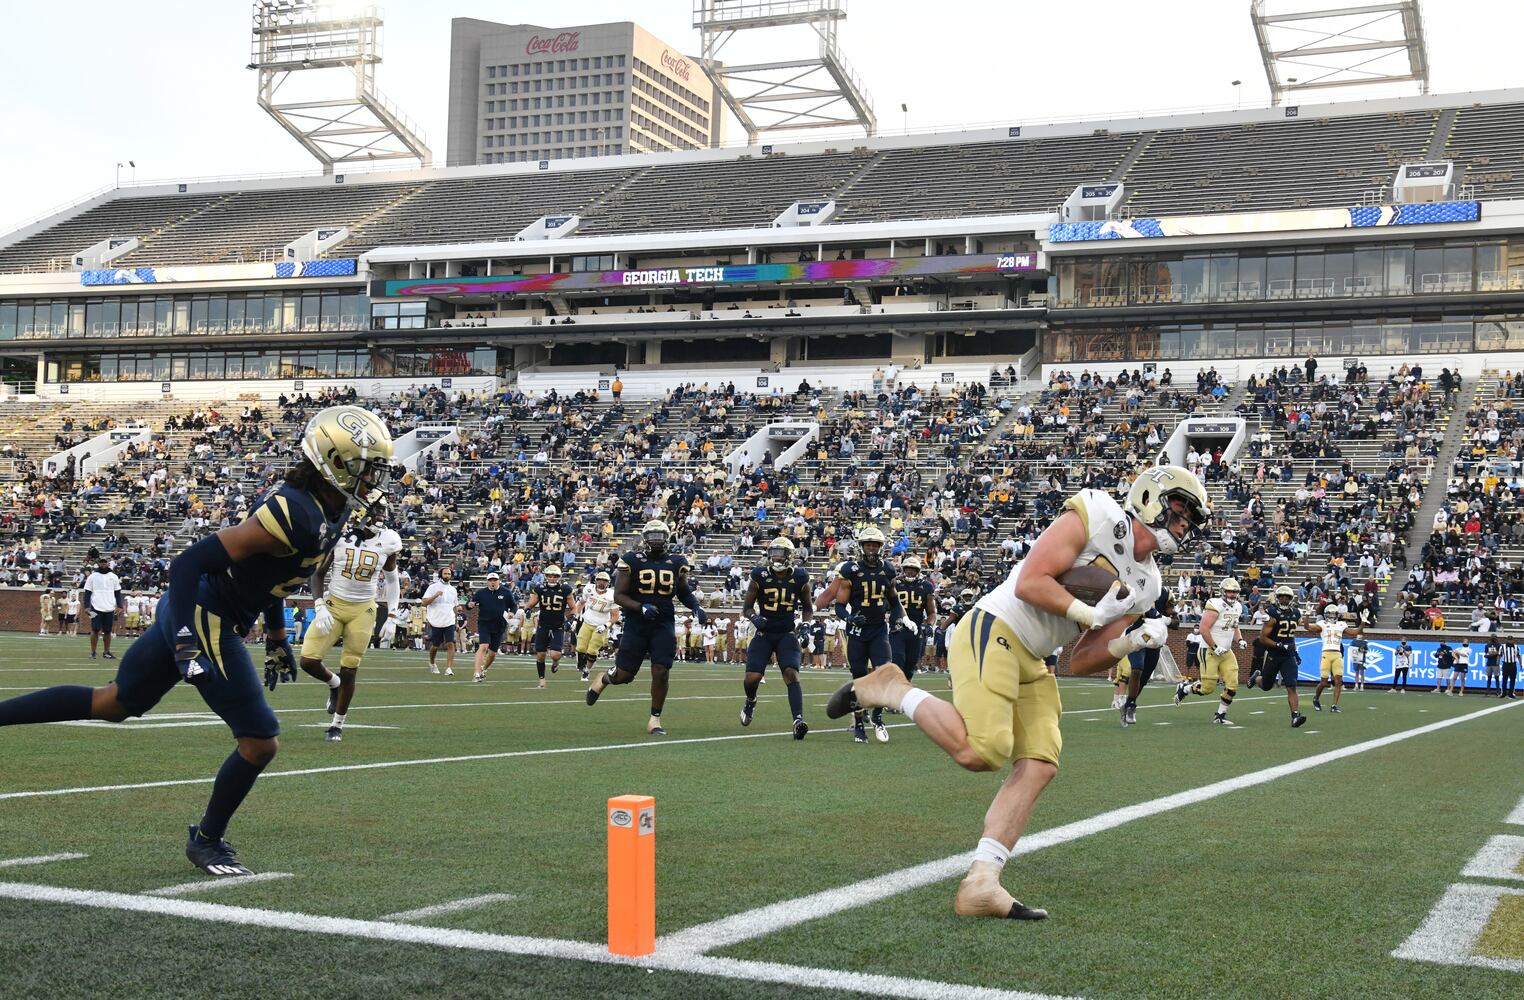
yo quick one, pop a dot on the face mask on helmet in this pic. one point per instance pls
(656, 541)
(872, 552)
(778, 556)
(1192, 520)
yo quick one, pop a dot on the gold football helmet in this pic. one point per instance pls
(352, 449)
(780, 552)
(656, 534)
(911, 563)
(1149, 501)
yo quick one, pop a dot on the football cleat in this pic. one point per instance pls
(478, 677)
(1335, 708)
(746, 710)
(980, 894)
(585, 675)
(108, 656)
(433, 668)
(800, 728)
(880, 733)
(333, 701)
(215, 857)
(859, 735)
(449, 671)
(1129, 715)
(541, 686)
(1220, 719)
(654, 727)
(1181, 690)
(555, 665)
(1297, 720)
(335, 735)
(1317, 706)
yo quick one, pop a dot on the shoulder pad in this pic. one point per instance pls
(293, 518)
(389, 542)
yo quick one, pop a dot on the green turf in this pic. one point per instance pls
(1301, 887)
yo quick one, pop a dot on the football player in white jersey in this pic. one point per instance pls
(1005, 706)
(344, 606)
(1219, 629)
(1336, 624)
(596, 607)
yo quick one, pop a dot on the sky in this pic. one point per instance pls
(164, 84)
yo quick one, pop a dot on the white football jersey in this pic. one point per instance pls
(356, 571)
(1229, 613)
(597, 608)
(1333, 635)
(1109, 544)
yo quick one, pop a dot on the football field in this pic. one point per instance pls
(454, 846)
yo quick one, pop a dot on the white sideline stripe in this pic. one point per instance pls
(648, 744)
(444, 937)
(41, 859)
(1499, 858)
(1449, 933)
(1517, 816)
(202, 885)
(790, 912)
(453, 906)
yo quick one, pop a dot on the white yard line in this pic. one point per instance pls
(1499, 858)
(378, 930)
(208, 884)
(453, 906)
(653, 743)
(1449, 933)
(791, 912)
(1517, 816)
(41, 859)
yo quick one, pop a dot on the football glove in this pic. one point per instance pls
(280, 657)
(649, 612)
(1221, 650)
(1243, 644)
(322, 618)
(908, 624)
(1113, 606)
(760, 622)
(188, 657)
(701, 616)
(1153, 633)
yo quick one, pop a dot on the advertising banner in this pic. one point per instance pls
(720, 274)
(1380, 657)
(1230, 223)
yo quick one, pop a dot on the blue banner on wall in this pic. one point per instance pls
(1380, 657)
(1232, 223)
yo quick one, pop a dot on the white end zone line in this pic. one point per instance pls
(443, 937)
(1449, 933)
(453, 906)
(769, 919)
(41, 859)
(1498, 858)
(1516, 817)
(202, 885)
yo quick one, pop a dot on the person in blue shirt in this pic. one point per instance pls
(217, 588)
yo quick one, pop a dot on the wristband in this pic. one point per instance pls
(1122, 645)
(1081, 614)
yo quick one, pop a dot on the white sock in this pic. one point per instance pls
(1222, 709)
(990, 849)
(338, 720)
(333, 681)
(912, 701)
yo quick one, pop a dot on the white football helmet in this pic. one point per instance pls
(1150, 498)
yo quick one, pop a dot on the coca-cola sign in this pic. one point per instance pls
(680, 67)
(566, 41)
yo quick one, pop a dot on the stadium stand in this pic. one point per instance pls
(1167, 169)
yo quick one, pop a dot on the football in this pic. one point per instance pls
(1088, 583)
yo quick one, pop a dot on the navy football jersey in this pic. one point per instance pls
(655, 581)
(551, 602)
(1285, 623)
(779, 597)
(915, 596)
(308, 533)
(871, 586)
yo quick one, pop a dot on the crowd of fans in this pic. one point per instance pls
(1323, 494)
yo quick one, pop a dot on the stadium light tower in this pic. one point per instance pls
(807, 92)
(1354, 46)
(317, 77)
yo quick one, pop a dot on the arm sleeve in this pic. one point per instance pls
(206, 557)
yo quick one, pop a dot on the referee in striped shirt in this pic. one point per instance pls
(1510, 669)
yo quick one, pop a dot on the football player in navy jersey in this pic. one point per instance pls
(864, 598)
(217, 588)
(551, 599)
(919, 599)
(779, 589)
(645, 583)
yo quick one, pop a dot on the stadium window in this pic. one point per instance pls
(1428, 269)
(92, 319)
(198, 315)
(7, 321)
(217, 315)
(129, 320)
(237, 305)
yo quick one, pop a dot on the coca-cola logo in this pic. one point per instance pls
(677, 64)
(566, 41)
